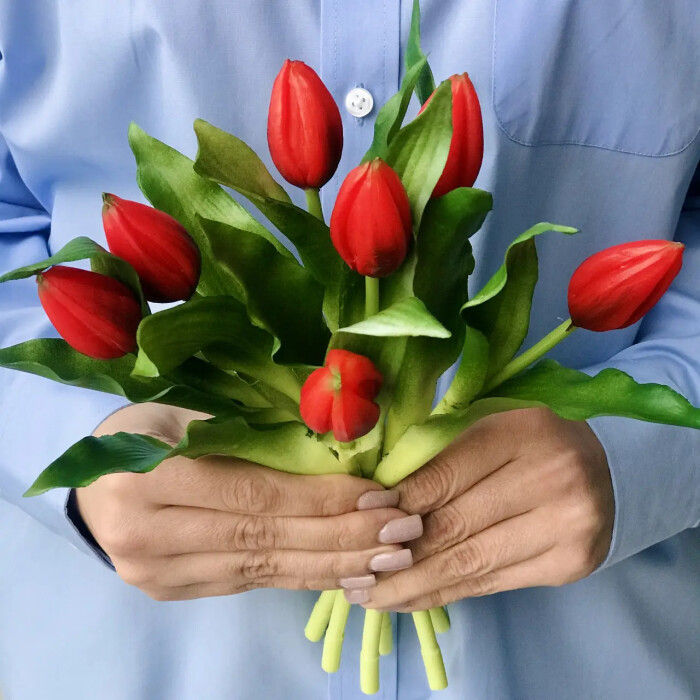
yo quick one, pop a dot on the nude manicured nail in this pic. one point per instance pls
(360, 595)
(378, 499)
(401, 530)
(392, 561)
(358, 581)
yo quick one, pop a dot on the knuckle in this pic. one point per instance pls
(246, 494)
(446, 526)
(468, 559)
(482, 585)
(135, 574)
(343, 536)
(121, 536)
(258, 566)
(253, 533)
(431, 488)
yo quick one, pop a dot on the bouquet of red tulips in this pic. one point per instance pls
(328, 365)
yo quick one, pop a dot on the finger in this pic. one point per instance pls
(480, 450)
(506, 543)
(539, 571)
(279, 569)
(182, 530)
(237, 486)
(513, 490)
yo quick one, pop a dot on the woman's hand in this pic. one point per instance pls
(218, 526)
(521, 499)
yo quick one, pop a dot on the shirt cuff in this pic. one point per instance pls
(76, 520)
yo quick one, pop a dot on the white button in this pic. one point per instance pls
(359, 102)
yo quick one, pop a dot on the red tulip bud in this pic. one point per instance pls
(615, 287)
(467, 146)
(340, 396)
(159, 249)
(96, 315)
(304, 128)
(371, 220)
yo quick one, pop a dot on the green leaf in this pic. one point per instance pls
(419, 151)
(93, 457)
(392, 114)
(172, 336)
(443, 252)
(288, 446)
(501, 310)
(470, 376)
(53, 358)
(226, 159)
(219, 328)
(408, 317)
(167, 178)
(279, 294)
(414, 55)
(577, 396)
(101, 261)
(218, 159)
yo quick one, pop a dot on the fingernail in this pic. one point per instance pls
(392, 561)
(360, 595)
(401, 530)
(358, 581)
(378, 499)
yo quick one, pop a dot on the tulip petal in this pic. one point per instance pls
(353, 416)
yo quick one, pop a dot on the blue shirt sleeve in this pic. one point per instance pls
(59, 415)
(654, 468)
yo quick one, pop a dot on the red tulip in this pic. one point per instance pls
(615, 287)
(467, 146)
(304, 128)
(371, 221)
(96, 315)
(340, 396)
(163, 254)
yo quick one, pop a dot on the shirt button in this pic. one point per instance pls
(359, 102)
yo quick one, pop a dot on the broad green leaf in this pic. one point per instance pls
(501, 310)
(279, 294)
(470, 376)
(226, 159)
(216, 325)
(419, 151)
(414, 55)
(443, 252)
(408, 317)
(217, 159)
(93, 457)
(392, 114)
(288, 446)
(54, 359)
(577, 396)
(101, 260)
(168, 180)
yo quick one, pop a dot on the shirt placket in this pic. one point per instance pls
(360, 49)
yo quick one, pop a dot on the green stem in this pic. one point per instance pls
(386, 640)
(335, 634)
(320, 615)
(313, 202)
(440, 620)
(371, 296)
(430, 650)
(523, 361)
(369, 655)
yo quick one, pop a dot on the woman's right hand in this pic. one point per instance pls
(219, 526)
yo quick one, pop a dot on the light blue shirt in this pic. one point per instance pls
(591, 116)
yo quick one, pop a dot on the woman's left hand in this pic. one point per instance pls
(521, 499)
